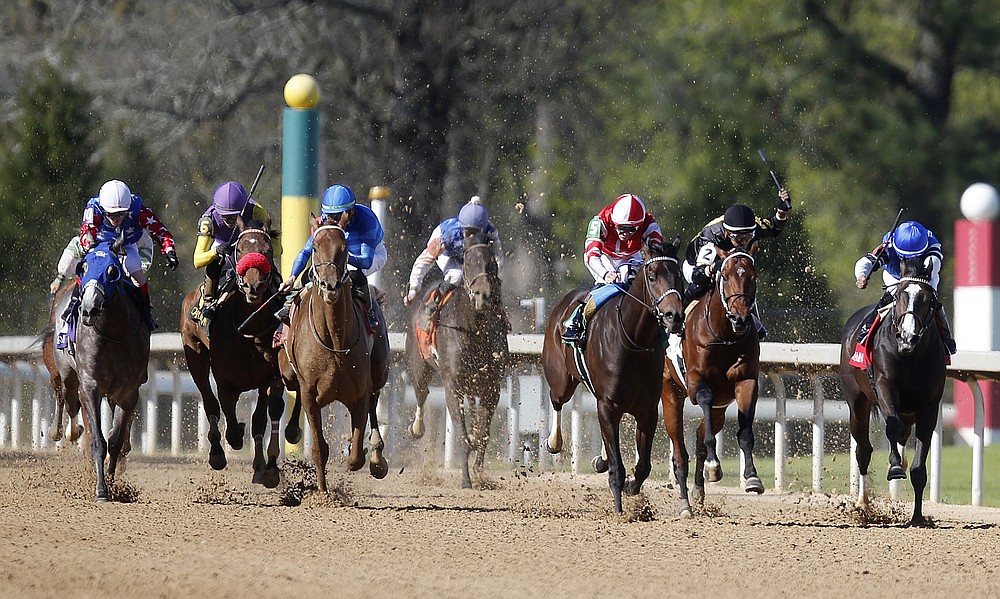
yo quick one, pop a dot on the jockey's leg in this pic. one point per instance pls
(761, 329)
(362, 292)
(942, 318)
(575, 328)
(452, 279)
(698, 284)
(133, 265)
(212, 273)
(866, 324)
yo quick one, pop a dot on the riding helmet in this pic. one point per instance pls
(474, 214)
(628, 210)
(115, 196)
(337, 199)
(739, 219)
(230, 198)
(910, 239)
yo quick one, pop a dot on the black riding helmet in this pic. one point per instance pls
(739, 219)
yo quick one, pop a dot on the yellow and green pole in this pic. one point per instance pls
(299, 173)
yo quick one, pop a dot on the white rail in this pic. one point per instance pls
(23, 378)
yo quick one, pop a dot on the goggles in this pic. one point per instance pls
(741, 239)
(626, 229)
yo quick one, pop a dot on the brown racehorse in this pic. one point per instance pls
(329, 356)
(623, 357)
(472, 352)
(722, 354)
(110, 360)
(240, 359)
(905, 383)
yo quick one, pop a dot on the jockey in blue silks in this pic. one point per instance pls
(909, 240)
(366, 251)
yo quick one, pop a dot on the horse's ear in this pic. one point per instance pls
(676, 245)
(240, 225)
(345, 217)
(753, 248)
(267, 223)
(313, 223)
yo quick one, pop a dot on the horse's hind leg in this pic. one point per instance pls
(926, 421)
(894, 433)
(359, 419)
(265, 471)
(378, 466)
(860, 409)
(560, 392)
(673, 421)
(421, 388)
(321, 449)
(235, 430)
(293, 428)
(700, 454)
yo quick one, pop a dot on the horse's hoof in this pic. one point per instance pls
(269, 478)
(896, 473)
(293, 434)
(466, 484)
(685, 511)
(235, 439)
(217, 460)
(417, 430)
(551, 449)
(599, 464)
(753, 485)
(713, 474)
(631, 488)
(101, 499)
(378, 469)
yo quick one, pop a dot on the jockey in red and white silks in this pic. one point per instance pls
(615, 237)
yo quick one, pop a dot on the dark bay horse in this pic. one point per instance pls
(240, 359)
(330, 355)
(904, 383)
(472, 352)
(110, 357)
(722, 354)
(623, 358)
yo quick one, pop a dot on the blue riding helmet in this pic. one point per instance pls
(337, 199)
(910, 239)
(474, 215)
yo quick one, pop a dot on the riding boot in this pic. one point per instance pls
(697, 287)
(285, 311)
(147, 308)
(866, 324)
(942, 319)
(208, 303)
(575, 329)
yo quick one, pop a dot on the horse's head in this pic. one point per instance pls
(916, 301)
(737, 279)
(329, 269)
(254, 253)
(100, 276)
(479, 267)
(663, 281)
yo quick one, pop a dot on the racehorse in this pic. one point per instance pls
(109, 359)
(238, 351)
(622, 361)
(722, 355)
(904, 382)
(65, 403)
(332, 355)
(471, 351)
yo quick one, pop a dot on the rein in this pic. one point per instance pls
(654, 309)
(315, 333)
(725, 301)
(320, 282)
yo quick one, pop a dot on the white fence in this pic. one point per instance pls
(163, 422)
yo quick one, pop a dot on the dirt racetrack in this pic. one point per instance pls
(181, 530)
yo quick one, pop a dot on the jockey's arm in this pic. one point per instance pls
(423, 263)
(157, 230)
(864, 267)
(362, 256)
(204, 252)
(379, 258)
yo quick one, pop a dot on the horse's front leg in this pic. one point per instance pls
(321, 449)
(456, 412)
(120, 430)
(421, 388)
(746, 401)
(706, 401)
(610, 421)
(893, 432)
(378, 466)
(265, 470)
(481, 427)
(359, 419)
(91, 397)
(235, 430)
(926, 422)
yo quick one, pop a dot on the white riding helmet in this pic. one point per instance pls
(115, 196)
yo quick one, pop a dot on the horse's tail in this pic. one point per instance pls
(47, 333)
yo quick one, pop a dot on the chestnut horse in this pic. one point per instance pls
(109, 359)
(722, 354)
(330, 355)
(240, 359)
(472, 352)
(904, 383)
(623, 359)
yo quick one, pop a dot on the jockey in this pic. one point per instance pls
(445, 247)
(366, 253)
(73, 253)
(117, 211)
(909, 240)
(217, 234)
(613, 248)
(737, 228)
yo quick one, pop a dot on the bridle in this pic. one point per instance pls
(924, 321)
(653, 308)
(727, 300)
(325, 285)
(244, 287)
(468, 282)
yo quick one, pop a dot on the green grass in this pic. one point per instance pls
(956, 474)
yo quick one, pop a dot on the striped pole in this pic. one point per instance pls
(299, 174)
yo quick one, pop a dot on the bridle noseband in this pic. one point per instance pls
(924, 321)
(244, 287)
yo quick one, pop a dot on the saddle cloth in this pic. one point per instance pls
(598, 297)
(862, 357)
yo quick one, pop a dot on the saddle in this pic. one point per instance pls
(598, 297)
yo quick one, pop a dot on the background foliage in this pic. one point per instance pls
(547, 108)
